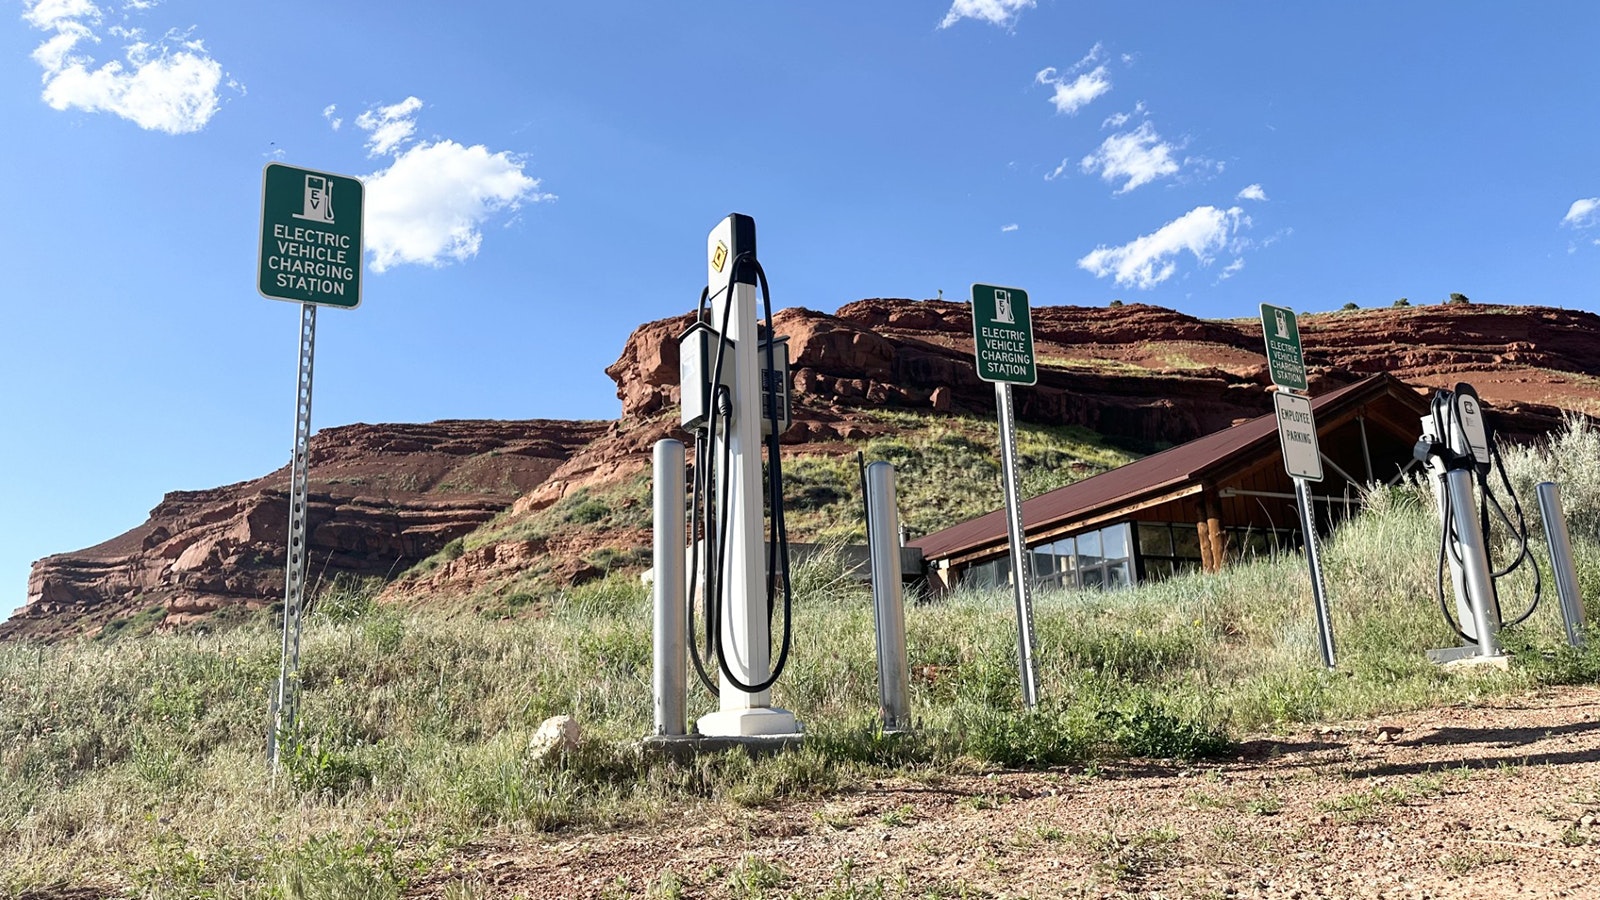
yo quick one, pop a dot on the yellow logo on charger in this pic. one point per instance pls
(719, 257)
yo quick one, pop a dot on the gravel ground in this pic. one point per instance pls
(1491, 800)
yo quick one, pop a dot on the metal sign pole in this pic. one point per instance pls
(1021, 576)
(1308, 528)
(286, 700)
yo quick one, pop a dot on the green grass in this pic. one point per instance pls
(947, 470)
(138, 764)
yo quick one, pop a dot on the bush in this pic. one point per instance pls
(1350, 306)
(1051, 735)
(1140, 727)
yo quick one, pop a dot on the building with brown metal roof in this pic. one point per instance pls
(1194, 506)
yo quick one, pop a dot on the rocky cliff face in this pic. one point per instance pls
(386, 496)
(1146, 373)
(383, 497)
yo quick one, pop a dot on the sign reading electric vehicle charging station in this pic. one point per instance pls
(1002, 339)
(1285, 359)
(1002, 333)
(310, 237)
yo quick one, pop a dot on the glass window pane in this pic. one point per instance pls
(972, 576)
(1092, 578)
(1043, 562)
(1114, 542)
(1089, 549)
(1117, 576)
(1186, 542)
(1155, 540)
(1157, 569)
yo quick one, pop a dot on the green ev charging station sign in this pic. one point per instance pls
(310, 237)
(1285, 361)
(1002, 334)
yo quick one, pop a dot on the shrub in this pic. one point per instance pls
(1140, 727)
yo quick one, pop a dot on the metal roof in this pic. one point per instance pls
(1153, 476)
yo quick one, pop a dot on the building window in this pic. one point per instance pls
(1122, 555)
(987, 575)
(1102, 558)
(1249, 543)
(1167, 549)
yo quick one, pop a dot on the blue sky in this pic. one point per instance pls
(541, 178)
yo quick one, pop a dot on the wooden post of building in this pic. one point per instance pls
(1213, 539)
(1219, 543)
(1203, 528)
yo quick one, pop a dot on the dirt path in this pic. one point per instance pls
(1497, 800)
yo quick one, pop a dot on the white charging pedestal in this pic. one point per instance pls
(746, 635)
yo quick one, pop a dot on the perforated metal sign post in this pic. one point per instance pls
(1285, 360)
(311, 255)
(1002, 336)
(310, 237)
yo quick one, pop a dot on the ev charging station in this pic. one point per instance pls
(734, 379)
(1455, 447)
(1461, 455)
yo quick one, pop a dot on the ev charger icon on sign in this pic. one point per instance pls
(319, 200)
(1002, 307)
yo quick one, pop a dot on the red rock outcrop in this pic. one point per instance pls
(382, 497)
(1143, 372)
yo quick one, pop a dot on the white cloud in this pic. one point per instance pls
(1139, 156)
(170, 85)
(46, 14)
(328, 113)
(1095, 54)
(1071, 96)
(429, 207)
(1117, 120)
(388, 127)
(995, 12)
(1252, 192)
(1231, 268)
(1148, 260)
(1008, 228)
(1581, 214)
(1059, 170)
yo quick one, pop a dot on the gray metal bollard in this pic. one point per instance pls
(670, 677)
(888, 601)
(1560, 542)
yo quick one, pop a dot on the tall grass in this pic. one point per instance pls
(139, 763)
